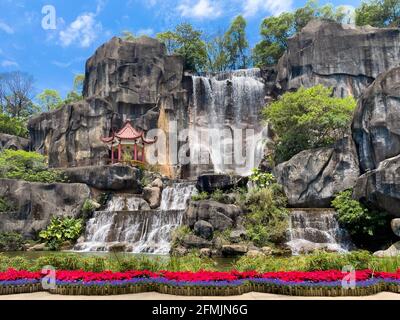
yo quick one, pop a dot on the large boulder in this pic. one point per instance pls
(203, 229)
(8, 141)
(313, 177)
(153, 196)
(376, 123)
(220, 216)
(212, 182)
(107, 177)
(133, 80)
(191, 241)
(36, 203)
(341, 56)
(381, 187)
(392, 251)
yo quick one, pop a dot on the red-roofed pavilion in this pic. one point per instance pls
(127, 144)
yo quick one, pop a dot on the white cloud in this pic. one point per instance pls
(9, 63)
(146, 32)
(6, 28)
(83, 30)
(201, 9)
(275, 7)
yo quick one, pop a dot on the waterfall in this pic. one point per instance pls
(140, 231)
(312, 229)
(226, 134)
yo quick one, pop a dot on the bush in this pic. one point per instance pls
(13, 126)
(11, 241)
(87, 208)
(355, 217)
(267, 220)
(308, 118)
(219, 196)
(200, 196)
(28, 166)
(60, 230)
(6, 205)
(178, 234)
(262, 179)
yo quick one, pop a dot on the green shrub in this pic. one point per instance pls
(60, 230)
(267, 220)
(218, 195)
(11, 241)
(178, 234)
(6, 205)
(87, 208)
(28, 166)
(308, 118)
(200, 196)
(13, 126)
(262, 179)
(355, 217)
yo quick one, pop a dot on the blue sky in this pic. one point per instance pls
(54, 56)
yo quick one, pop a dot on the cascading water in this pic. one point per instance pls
(141, 231)
(312, 229)
(226, 125)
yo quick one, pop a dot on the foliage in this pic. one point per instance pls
(16, 91)
(11, 241)
(276, 30)
(60, 230)
(76, 94)
(28, 166)
(87, 208)
(267, 220)
(262, 179)
(178, 234)
(6, 205)
(355, 217)
(13, 126)
(379, 13)
(319, 260)
(200, 196)
(49, 99)
(308, 118)
(236, 44)
(218, 195)
(187, 42)
(128, 36)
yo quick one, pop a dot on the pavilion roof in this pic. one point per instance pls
(127, 132)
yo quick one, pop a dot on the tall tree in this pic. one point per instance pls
(16, 91)
(217, 55)
(236, 44)
(169, 38)
(49, 99)
(76, 94)
(379, 13)
(186, 41)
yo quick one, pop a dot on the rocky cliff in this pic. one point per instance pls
(341, 56)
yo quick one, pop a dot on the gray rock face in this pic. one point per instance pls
(344, 57)
(395, 225)
(392, 251)
(381, 187)
(203, 229)
(191, 241)
(312, 177)
(107, 177)
(153, 196)
(36, 203)
(376, 123)
(8, 141)
(220, 216)
(212, 182)
(70, 135)
(234, 250)
(134, 80)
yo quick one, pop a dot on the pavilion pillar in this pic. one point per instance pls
(119, 153)
(135, 152)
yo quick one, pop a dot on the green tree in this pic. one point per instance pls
(13, 126)
(49, 99)
(217, 55)
(379, 13)
(276, 30)
(76, 94)
(236, 44)
(187, 42)
(308, 118)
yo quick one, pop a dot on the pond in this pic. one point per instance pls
(221, 264)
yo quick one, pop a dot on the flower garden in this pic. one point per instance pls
(205, 283)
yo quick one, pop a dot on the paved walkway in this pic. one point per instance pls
(159, 296)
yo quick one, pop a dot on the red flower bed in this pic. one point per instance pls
(187, 276)
(12, 274)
